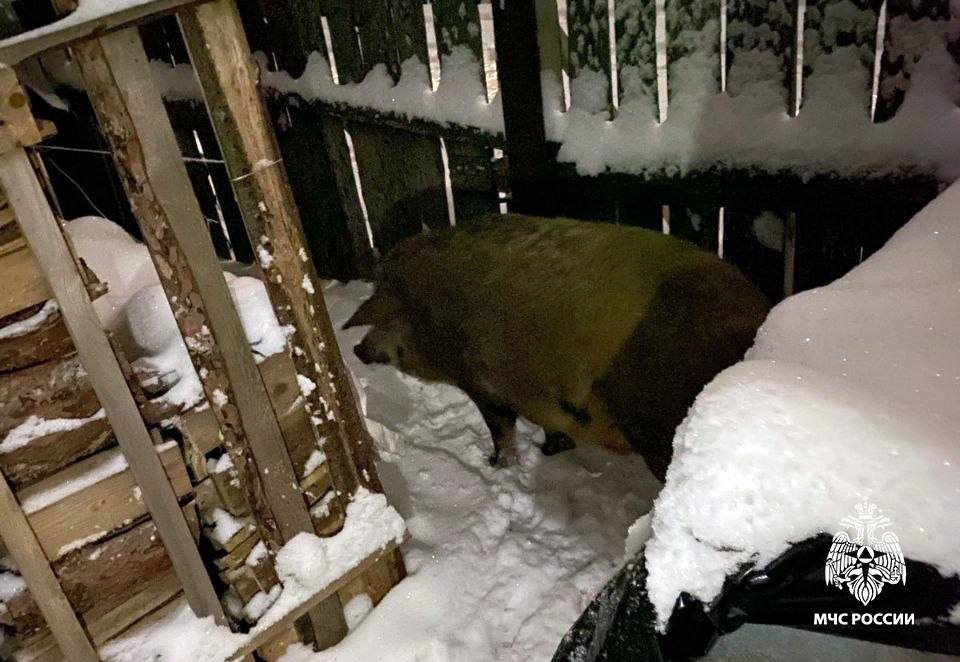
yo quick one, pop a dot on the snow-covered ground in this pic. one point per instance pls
(502, 561)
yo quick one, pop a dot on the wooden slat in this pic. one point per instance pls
(46, 239)
(264, 636)
(104, 624)
(23, 282)
(43, 584)
(101, 577)
(156, 182)
(105, 506)
(102, 19)
(221, 57)
(401, 176)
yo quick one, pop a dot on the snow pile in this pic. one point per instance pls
(306, 564)
(849, 394)
(137, 308)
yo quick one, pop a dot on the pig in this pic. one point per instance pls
(601, 334)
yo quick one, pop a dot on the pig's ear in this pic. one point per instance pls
(378, 309)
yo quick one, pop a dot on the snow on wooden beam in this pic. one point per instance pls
(91, 18)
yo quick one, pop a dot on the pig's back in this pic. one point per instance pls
(535, 309)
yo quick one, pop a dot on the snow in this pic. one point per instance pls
(317, 457)
(305, 565)
(259, 603)
(10, 586)
(849, 394)
(750, 128)
(500, 562)
(223, 526)
(256, 555)
(136, 308)
(32, 323)
(460, 98)
(356, 610)
(35, 427)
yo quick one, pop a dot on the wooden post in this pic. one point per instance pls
(131, 113)
(221, 57)
(518, 67)
(44, 586)
(63, 274)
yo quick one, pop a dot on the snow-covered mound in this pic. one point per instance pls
(136, 308)
(849, 394)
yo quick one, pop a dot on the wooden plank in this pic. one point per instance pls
(110, 503)
(42, 582)
(268, 634)
(44, 337)
(103, 18)
(172, 224)
(104, 624)
(47, 241)
(101, 577)
(221, 57)
(518, 65)
(24, 284)
(402, 182)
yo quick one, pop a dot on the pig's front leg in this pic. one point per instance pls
(502, 422)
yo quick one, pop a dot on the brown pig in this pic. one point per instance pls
(601, 334)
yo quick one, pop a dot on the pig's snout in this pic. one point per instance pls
(363, 353)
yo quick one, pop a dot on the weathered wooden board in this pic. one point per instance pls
(24, 546)
(108, 504)
(45, 340)
(23, 283)
(17, 48)
(104, 624)
(157, 184)
(102, 576)
(472, 178)
(53, 390)
(283, 624)
(401, 177)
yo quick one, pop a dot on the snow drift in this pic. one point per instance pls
(850, 393)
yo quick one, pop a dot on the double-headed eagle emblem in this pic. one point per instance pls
(864, 563)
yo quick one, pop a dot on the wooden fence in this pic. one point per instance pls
(365, 178)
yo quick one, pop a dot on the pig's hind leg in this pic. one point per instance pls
(502, 423)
